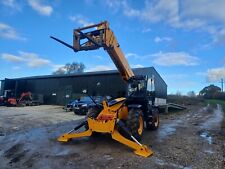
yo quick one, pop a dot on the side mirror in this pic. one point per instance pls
(84, 91)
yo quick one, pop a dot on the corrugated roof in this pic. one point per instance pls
(79, 74)
(84, 74)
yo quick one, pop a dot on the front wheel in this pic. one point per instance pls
(153, 122)
(135, 123)
(93, 113)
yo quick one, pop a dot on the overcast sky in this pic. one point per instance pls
(183, 39)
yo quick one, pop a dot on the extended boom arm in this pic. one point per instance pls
(100, 35)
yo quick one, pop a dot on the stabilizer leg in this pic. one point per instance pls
(68, 136)
(140, 149)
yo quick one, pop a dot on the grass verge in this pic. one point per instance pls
(214, 102)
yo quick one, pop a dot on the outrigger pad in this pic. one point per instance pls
(63, 138)
(140, 149)
(144, 151)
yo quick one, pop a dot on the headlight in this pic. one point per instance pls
(84, 105)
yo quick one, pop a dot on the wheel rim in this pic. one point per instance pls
(141, 125)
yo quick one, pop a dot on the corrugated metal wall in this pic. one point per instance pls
(2, 87)
(61, 89)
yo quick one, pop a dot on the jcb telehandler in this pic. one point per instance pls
(123, 118)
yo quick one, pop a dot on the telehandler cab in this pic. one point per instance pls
(123, 118)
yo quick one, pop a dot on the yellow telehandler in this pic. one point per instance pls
(123, 118)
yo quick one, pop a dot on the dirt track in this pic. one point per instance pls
(189, 139)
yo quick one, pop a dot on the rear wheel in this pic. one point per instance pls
(135, 123)
(153, 122)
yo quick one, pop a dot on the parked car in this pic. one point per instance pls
(70, 105)
(82, 105)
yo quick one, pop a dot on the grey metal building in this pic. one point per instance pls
(59, 89)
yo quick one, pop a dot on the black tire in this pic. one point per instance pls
(135, 123)
(93, 112)
(153, 122)
(75, 112)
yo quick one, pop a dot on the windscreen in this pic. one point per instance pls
(136, 87)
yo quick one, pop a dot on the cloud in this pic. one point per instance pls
(162, 39)
(215, 74)
(174, 59)
(146, 30)
(167, 59)
(187, 14)
(80, 20)
(154, 11)
(130, 11)
(16, 67)
(175, 76)
(132, 55)
(8, 32)
(113, 4)
(32, 60)
(98, 57)
(137, 66)
(100, 68)
(11, 4)
(201, 73)
(40, 8)
(202, 15)
(137, 56)
(38, 62)
(219, 37)
(11, 58)
(57, 66)
(206, 10)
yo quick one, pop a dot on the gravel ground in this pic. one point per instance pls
(189, 139)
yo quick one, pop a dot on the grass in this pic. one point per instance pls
(214, 102)
(184, 100)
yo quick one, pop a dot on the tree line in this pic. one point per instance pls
(212, 92)
(208, 92)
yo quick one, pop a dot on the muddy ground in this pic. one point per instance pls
(188, 139)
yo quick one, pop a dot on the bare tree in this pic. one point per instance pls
(70, 68)
(178, 93)
(191, 94)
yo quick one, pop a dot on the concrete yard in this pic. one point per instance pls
(187, 139)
